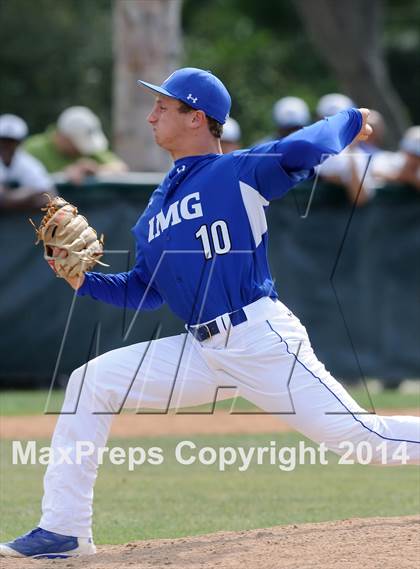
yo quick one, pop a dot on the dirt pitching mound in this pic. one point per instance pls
(156, 425)
(383, 543)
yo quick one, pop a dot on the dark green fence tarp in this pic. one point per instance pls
(352, 277)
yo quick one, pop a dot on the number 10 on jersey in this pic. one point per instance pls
(217, 240)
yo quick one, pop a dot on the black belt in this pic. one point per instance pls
(203, 332)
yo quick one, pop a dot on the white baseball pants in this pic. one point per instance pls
(268, 358)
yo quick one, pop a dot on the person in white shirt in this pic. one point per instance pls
(350, 169)
(24, 182)
(402, 167)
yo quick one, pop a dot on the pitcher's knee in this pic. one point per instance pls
(73, 388)
(83, 390)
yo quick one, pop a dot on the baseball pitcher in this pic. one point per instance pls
(202, 249)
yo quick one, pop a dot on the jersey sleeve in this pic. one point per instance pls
(130, 289)
(275, 167)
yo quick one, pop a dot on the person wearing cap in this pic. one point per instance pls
(402, 167)
(290, 114)
(231, 136)
(76, 146)
(201, 248)
(332, 103)
(24, 182)
(350, 169)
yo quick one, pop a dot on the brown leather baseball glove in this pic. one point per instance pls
(63, 228)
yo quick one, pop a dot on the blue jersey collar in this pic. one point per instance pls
(188, 160)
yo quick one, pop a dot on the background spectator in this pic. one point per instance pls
(231, 137)
(333, 103)
(24, 181)
(290, 114)
(401, 167)
(76, 146)
(350, 169)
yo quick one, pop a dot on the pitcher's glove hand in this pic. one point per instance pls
(62, 228)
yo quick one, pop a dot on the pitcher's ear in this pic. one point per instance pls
(199, 117)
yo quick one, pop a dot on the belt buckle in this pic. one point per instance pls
(207, 330)
(201, 333)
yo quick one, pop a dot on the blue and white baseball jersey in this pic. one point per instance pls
(202, 241)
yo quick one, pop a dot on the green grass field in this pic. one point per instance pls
(172, 500)
(34, 402)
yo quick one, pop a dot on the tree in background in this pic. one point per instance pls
(262, 52)
(348, 35)
(147, 42)
(59, 53)
(259, 50)
(54, 55)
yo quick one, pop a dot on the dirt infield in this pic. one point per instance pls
(383, 543)
(150, 425)
(153, 425)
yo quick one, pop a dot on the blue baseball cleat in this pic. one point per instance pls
(42, 544)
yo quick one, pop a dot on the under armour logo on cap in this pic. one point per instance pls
(191, 98)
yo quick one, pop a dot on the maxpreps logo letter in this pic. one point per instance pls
(188, 208)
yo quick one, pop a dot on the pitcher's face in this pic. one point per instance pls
(168, 123)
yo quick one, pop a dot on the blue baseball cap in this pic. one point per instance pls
(199, 89)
